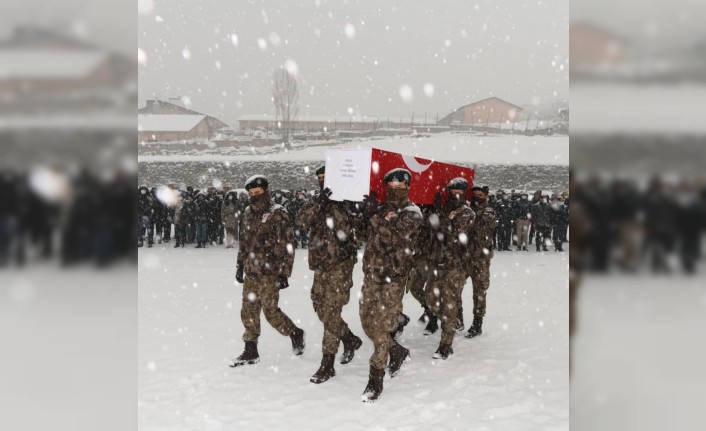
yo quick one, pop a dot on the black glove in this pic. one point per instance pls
(369, 204)
(239, 274)
(281, 282)
(437, 201)
(325, 196)
(353, 208)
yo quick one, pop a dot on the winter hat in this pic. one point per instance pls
(321, 170)
(457, 184)
(256, 181)
(399, 175)
(484, 189)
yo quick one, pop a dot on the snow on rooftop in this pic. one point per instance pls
(48, 64)
(168, 123)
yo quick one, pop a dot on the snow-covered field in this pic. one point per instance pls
(513, 377)
(446, 147)
(599, 108)
(638, 353)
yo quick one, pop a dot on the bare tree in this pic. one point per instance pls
(285, 96)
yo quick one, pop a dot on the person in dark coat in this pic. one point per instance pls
(559, 220)
(503, 230)
(541, 221)
(202, 214)
(145, 212)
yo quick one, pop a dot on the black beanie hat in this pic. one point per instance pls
(256, 181)
(399, 175)
(484, 189)
(457, 184)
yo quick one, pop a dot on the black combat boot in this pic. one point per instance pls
(297, 341)
(432, 325)
(325, 371)
(443, 352)
(351, 343)
(398, 355)
(475, 329)
(198, 245)
(374, 388)
(249, 355)
(402, 321)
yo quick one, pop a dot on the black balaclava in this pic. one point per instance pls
(261, 202)
(397, 197)
(478, 202)
(454, 201)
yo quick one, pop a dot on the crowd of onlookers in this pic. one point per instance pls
(629, 225)
(210, 217)
(48, 212)
(202, 217)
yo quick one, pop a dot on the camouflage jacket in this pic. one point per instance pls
(449, 245)
(266, 242)
(481, 233)
(331, 237)
(421, 246)
(390, 242)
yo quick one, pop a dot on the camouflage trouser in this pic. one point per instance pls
(523, 227)
(261, 294)
(380, 304)
(444, 299)
(417, 280)
(330, 292)
(480, 276)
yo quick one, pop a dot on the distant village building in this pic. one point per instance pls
(487, 111)
(44, 71)
(329, 123)
(164, 128)
(64, 100)
(592, 47)
(161, 121)
(174, 107)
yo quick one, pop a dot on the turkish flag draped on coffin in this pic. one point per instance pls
(352, 173)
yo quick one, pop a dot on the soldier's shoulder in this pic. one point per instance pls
(414, 210)
(279, 210)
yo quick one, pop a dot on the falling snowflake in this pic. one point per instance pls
(350, 31)
(406, 93)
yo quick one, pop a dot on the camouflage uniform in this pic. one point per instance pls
(481, 241)
(449, 250)
(266, 251)
(332, 256)
(420, 272)
(386, 265)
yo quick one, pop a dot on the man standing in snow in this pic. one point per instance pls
(332, 256)
(391, 233)
(265, 260)
(521, 210)
(449, 250)
(481, 241)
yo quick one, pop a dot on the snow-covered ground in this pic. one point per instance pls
(638, 353)
(513, 377)
(448, 147)
(598, 108)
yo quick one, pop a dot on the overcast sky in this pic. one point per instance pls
(353, 57)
